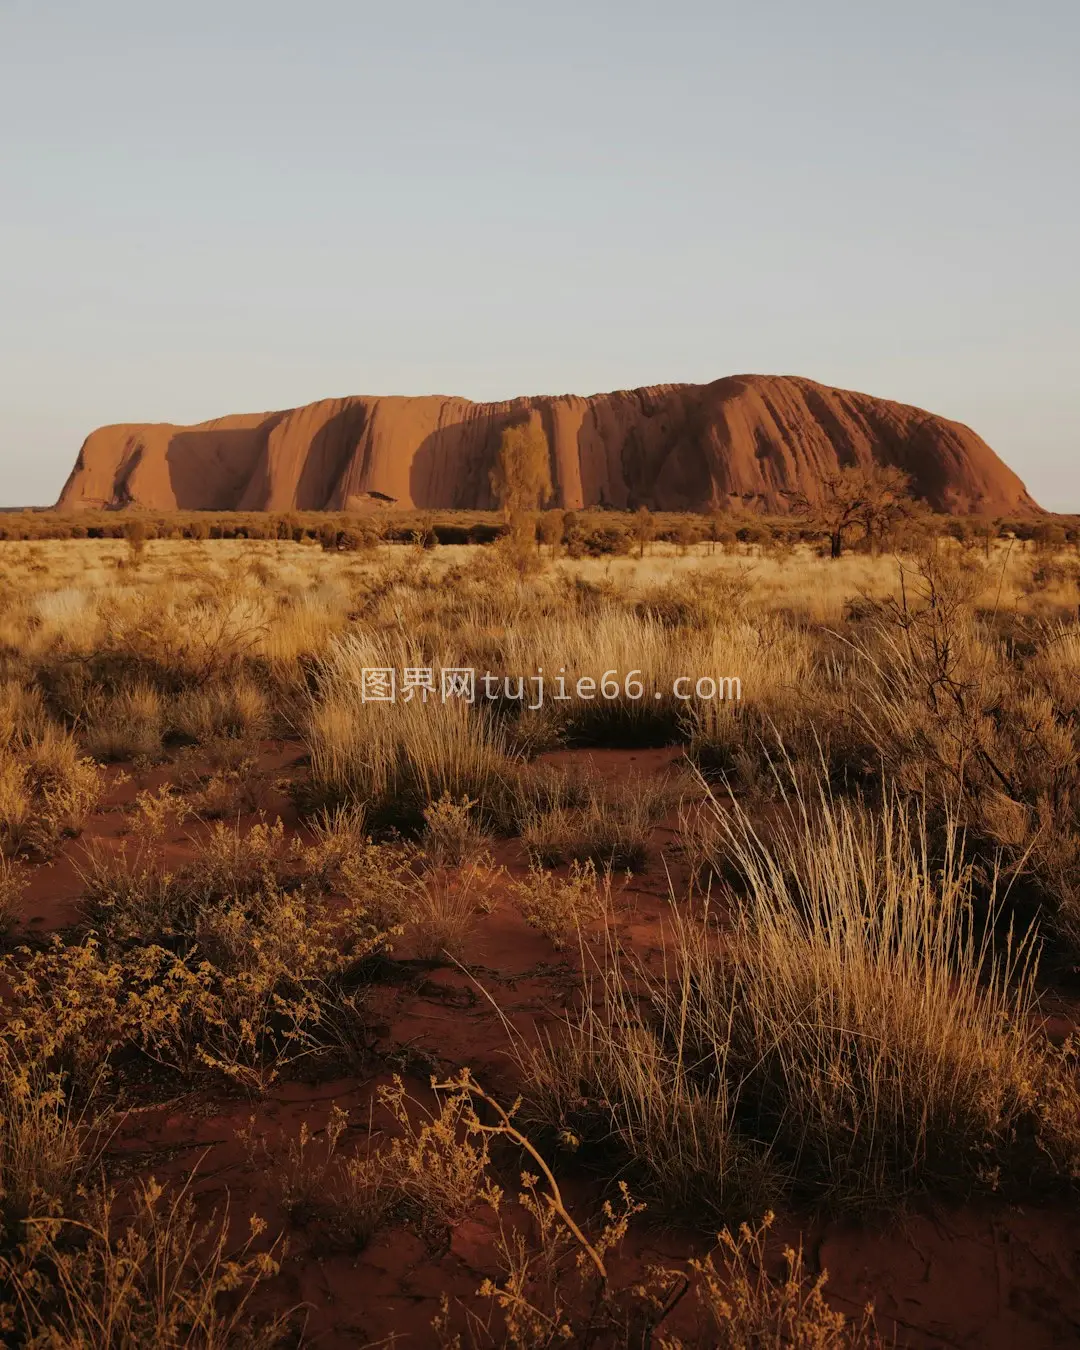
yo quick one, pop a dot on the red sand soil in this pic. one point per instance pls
(989, 1276)
(744, 441)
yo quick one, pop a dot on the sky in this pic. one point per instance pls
(231, 206)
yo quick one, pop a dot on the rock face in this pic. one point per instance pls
(744, 440)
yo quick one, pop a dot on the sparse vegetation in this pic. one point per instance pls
(158, 1277)
(803, 947)
(558, 906)
(609, 830)
(742, 1306)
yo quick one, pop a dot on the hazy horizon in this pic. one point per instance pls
(241, 207)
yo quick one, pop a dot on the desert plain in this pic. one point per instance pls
(628, 1019)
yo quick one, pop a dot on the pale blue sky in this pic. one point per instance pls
(231, 206)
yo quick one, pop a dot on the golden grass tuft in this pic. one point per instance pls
(876, 1013)
(396, 758)
(47, 789)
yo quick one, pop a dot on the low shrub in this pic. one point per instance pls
(156, 1278)
(559, 906)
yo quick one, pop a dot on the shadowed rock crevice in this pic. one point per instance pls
(328, 458)
(211, 469)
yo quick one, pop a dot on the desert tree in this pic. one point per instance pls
(136, 534)
(550, 530)
(573, 534)
(889, 505)
(686, 536)
(521, 474)
(519, 545)
(873, 498)
(1048, 537)
(424, 535)
(719, 530)
(990, 531)
(644, 528)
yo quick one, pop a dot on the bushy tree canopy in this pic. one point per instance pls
(521, 474)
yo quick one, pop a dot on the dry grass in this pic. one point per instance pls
(882, 1036)
(46, 1153)
(629, 1092)
(241, 709)
(46, 792)
(433, 1171)
(165, 1280)
(555, 1284)
(397, 758)
(128, 725)
(859, 1034)
(742, 1306)
(452, 835)
(232, 965)
(952, 712)
(610, 829)
(352, 1196)
(851, 1016)
(444, 907)
(380, 879)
